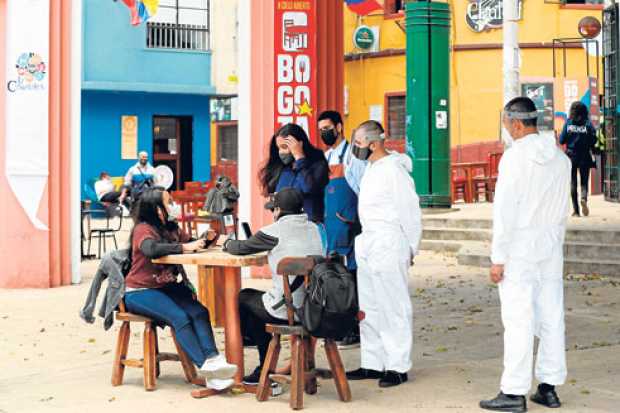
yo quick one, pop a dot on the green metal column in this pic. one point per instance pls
(428, 91)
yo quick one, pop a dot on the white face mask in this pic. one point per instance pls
(506, 138)
(174, 211)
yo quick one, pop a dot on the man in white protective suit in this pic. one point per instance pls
(529, 221)
(389, 210)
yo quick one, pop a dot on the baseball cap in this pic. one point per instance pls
(288, 200)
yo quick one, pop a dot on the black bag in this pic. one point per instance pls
(330, 306)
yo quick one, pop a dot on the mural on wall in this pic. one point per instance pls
(295, 64)
(484, 15)
(27, 111)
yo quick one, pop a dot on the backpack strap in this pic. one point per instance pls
(297, 282)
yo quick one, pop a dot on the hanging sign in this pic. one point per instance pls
(364, 38)
(129, 137)
(483, 15)
(27, 102)
(295, 64)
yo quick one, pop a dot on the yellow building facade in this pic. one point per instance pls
(375, 80)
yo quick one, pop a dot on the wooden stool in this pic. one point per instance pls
(151, 356)
(303, 373)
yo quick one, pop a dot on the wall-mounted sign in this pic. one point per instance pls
(484, 15)
(295, 64)
(129, 137)
(364, 38)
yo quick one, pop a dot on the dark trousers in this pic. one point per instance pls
(579, 167)
(254, 317)
(174, 305)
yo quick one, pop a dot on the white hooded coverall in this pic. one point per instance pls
(389, 210)
(529, 222)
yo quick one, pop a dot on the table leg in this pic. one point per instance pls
(232, 323)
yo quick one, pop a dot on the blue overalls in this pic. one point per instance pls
(341, 219)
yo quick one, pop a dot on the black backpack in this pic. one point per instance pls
(329, 309)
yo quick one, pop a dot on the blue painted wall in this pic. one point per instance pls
(101, 129)
(116, 57)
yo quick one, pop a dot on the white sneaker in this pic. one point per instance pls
(219, 384)
(218, 368)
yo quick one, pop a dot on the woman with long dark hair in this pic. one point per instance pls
(579, 136)
(295, 163)
(163, 292)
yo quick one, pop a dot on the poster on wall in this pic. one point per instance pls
(541, 94)
(569, 90)
(27, 103)
(129, 137)
(295, 64)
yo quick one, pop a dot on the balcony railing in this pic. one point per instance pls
(177, 36)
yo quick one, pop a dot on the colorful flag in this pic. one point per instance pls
(141, 10)
(363, 7)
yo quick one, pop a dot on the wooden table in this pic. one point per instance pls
(225, 271)
(469, 168)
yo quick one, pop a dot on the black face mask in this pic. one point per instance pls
(361, 153)
(329, 136)
(286, 157)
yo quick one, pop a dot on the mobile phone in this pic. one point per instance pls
(246, 229)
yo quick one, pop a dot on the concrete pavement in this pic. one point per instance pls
(51, 361)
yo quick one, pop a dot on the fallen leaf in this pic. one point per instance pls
(46, 399)
(112, 399)
(441, 350)
(572, 382)
(584, 391)
(106, 352)
(42, 330)
(91, 340)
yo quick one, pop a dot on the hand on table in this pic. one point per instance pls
(194, 245)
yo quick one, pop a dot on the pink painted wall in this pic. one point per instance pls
(262, 83)
(30, 257)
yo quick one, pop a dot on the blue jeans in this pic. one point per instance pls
(175, 306)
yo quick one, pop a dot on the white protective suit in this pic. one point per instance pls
(389, 210)
(529, 221)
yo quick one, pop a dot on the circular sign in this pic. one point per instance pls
(364, 37)
(164, 176)
(589, 27)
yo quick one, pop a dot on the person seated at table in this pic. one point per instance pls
(106, 192)
(163, 292)
(291, 235)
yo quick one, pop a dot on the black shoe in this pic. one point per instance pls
(393, 378)
(546, 396)
(350, 341)
(576, 214)
(584, 208)
(364, 374)
(505, 403)
(253, 378)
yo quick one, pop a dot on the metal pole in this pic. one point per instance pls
(510, 52)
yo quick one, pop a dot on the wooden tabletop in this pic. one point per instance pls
(214, 257)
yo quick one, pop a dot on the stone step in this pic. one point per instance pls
(441, 246)
(591, 251)
(457, 223)
(479, 257)
(455, 234)
(574, 235)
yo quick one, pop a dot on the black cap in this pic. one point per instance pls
(289, 200)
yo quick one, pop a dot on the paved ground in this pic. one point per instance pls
(50, 360)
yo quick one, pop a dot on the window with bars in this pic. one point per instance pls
(227, 142)
(396, 109)
(180, 24)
